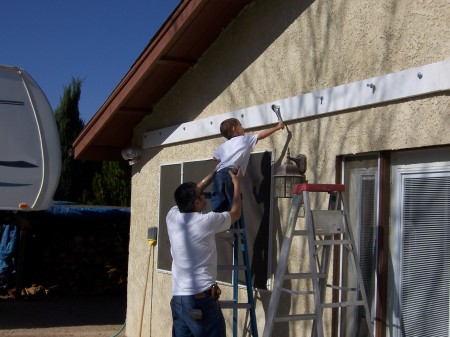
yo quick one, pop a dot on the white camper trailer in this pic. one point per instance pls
(30, 158)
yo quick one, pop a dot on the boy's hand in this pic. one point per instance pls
(281, 125)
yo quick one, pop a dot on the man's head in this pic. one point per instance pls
(189, 198)
(231, 127)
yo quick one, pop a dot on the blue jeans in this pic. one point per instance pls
(194, 317)
(222, 192)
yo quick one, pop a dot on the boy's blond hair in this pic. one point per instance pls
(226, 127)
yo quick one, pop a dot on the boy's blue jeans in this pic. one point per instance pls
(222, 192)
(194, 317)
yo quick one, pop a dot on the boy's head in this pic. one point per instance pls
(231, 127)
(186, 196)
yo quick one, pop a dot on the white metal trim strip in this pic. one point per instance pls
(412, 82)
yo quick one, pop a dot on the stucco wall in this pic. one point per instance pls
(277, 49)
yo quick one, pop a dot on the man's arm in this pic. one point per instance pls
(267, 132)
(207, 180)
(236, 205)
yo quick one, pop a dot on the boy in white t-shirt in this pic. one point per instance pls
(233, 154)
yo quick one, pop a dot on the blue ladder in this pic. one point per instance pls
(240, 239)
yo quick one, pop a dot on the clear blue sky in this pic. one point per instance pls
(96, 41)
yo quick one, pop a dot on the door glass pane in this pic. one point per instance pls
(362, 186)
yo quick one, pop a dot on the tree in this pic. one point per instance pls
(69, 126)
(111, 186)
(87, 182)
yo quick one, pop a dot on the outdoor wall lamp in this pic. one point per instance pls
(289, 174)
(132, 155)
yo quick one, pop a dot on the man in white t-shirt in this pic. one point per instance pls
(195, 306)
(233, 154)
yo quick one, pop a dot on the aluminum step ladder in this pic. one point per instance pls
(323, 229)
(237, 234)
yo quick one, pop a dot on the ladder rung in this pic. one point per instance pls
(231, 267)
(301, 232)
(228, 234)
(234, 304)
(304, 232)
(298, 292)
(327, 232)
(342, 304)
(300, 317)
(225, 235)
(331, 242)
(341, 288)
(302, 276)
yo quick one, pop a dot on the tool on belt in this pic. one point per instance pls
(215, 292)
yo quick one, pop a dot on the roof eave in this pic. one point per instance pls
(111, 115)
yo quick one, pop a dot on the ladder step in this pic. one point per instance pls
(318, 231)
(231, 267)
(331, 242)
(301, 232)
(328, 232)
(302, 276)
(298, 292)
(342, 288)
(288, 318)
(228, 235)
(342, 304)
(234, 304)
(225, 236)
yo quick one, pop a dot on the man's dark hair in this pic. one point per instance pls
(226, 127)
(185, 196)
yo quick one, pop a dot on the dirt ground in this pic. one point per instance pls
(83, 316)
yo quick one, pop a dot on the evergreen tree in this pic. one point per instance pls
(111, 186)
(76, 175)
(87, 182)
(69, 126)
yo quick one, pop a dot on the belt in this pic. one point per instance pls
(234, 170)
(204, 294)
(229, 168)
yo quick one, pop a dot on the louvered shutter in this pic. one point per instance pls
(363, 203)
(425, 273)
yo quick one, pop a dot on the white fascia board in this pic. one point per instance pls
(427, 79)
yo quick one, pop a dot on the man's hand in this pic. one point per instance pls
(236, 178)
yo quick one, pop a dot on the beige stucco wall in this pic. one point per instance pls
(274, 50)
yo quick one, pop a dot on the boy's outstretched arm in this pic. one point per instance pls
(267, 132)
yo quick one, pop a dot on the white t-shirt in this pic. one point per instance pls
(235, 152)
(193, 249)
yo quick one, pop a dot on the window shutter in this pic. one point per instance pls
(366, 247)
(363, 205)
(425, 278)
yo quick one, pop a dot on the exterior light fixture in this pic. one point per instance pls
(132, 155)
(290, 173)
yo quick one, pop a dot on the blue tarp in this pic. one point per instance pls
(8, 249)
(77, 212)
